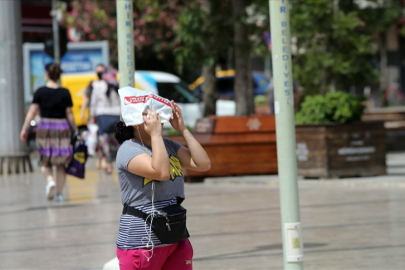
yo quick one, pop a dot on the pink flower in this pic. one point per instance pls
(174, 22)
(86, 29)
(92, 36)
(88, 7)
(136, 32)
(148, 10)
(86, 16)
(75, 13)
(141, 38)
(113, 24)
(140, 22)
(168, 34)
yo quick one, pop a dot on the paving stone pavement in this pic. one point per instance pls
(234, 222)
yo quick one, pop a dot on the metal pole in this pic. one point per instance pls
(55, 29)
(285, 129)
(126, 54)
(11, 79)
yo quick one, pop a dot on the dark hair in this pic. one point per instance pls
(123, 133)
(100, 65)
(53, 71)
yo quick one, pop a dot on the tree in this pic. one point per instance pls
(194, 33)
(243, 80)
(154, 23)
(337, 42)
(204, 35)
(207, 32)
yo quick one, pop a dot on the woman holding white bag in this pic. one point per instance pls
(150, 173)
(105, 111)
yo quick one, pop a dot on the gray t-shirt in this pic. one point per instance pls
(136, 190)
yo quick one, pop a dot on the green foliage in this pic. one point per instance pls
(260, 100)
(334, 107)
(204, 32)
(337, 44)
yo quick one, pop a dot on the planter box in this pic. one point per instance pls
(394, 122)
(341, 150)
(236, 145)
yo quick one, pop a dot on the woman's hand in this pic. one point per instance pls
(152, 123)
(23, 135)
(177, 122)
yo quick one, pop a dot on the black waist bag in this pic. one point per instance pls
(169, 223)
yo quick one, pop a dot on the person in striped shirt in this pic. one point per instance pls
(148, 162)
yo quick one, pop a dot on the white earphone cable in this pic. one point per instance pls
(150, 216)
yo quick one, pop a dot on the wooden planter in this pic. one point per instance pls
(237, 145)
(341, 150)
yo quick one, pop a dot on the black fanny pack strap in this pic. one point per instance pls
(138, 213)
(134, 212)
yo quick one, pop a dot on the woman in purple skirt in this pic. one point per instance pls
(54, 132)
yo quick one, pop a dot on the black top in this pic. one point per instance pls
(52, 102)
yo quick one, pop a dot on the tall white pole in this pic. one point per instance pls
(55, 29)
(285, 132)
(11, 79)
(126, 54)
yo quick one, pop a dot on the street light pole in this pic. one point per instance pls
(126, 55)
(285, 132)
(55, 29)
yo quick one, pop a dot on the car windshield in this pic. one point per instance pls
(179, 92)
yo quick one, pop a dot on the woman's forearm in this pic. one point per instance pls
(30, 116)
(197, 152)
(84, 106)
(160, 158)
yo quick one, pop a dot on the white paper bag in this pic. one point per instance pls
(91, 139)
(134, 102)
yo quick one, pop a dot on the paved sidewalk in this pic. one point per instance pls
(234, 222)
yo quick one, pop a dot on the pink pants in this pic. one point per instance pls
(174, 257)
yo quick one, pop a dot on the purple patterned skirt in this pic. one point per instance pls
(53, 142)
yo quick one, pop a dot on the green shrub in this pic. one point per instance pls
(260, 100)
(334, 107)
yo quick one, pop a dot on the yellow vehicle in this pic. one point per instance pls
(77, 84)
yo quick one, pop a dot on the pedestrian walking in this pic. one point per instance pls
(105, 112)
(94, 145)
(150, 173)
(54, 131)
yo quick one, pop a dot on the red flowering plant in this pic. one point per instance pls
(154, 24)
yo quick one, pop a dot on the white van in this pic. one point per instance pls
(173, 88)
